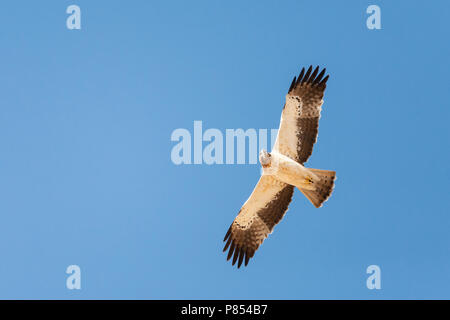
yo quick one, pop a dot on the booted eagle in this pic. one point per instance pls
(283, 169)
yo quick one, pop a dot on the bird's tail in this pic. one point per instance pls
(322, 188)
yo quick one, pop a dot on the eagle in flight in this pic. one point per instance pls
(283, 170)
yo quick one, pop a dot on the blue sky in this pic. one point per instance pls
(86, 176)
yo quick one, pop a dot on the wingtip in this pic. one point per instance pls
(227, 244)
(230, 253)
(314, 74)
(324, 81)
(311, 75)
(241, 257)
(292, 84)
(319, 77)
(227, 234)
(236, 255)
(300, 75)
(308, 73)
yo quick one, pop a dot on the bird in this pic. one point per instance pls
(283, 169)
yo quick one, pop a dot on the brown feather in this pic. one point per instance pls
(309, 91)
(245, 239)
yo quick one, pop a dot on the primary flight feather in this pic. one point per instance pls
(283, 169)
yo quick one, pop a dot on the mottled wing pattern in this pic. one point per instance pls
(257, 218)
(300, 117)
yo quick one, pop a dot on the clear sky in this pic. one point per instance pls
(86, 176)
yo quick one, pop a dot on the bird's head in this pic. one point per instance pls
(265, 158)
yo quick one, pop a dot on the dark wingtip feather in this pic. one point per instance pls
(236, 255)
(300, 76)
(308, 73)
(324, 79)
(247, 257)
(228, 234)
(241, 257)
(227, 244)
(319, 77)
(292, 84)
(310, 76)
(231, 250)
(314, 74)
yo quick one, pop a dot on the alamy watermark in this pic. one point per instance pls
(374, 280)
(373, 22)
(73, 281)
(74, 20)
(213, 146)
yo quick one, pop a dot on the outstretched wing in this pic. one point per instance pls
(258, 216)
(300, 117)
